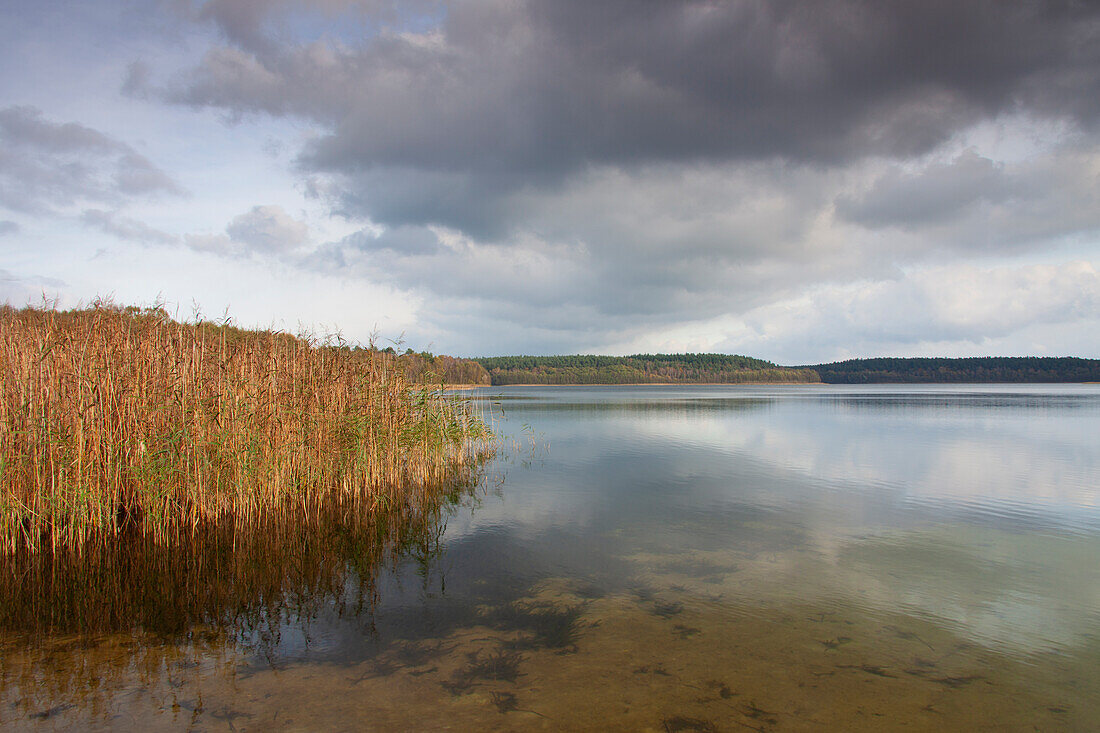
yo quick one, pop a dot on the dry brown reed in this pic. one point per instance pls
(116, 420)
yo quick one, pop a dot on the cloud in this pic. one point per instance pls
(8, 227)
(46, 166)
(651, 247)
(615, 256)
(973, 203)
(963, 308)
(214, 243)
(136, 83)
(20, 290)
(268, 230)
(445, 125)
(564, 176)
(934, 194)
(261, 231)
(125, 228)
(503, 86)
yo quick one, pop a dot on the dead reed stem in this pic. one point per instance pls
(124, 420)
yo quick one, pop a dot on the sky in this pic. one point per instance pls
(797, 180)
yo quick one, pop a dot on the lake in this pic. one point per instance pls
(688, 558)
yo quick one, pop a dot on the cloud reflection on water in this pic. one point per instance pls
(847, 488)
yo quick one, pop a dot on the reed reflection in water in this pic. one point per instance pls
(78, 624)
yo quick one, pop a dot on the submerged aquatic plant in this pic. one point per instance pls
(117, 421)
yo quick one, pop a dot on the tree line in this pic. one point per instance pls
(977, 369)
(639, 369)
(736, 369)
(423, 367)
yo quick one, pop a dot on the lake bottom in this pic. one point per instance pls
(672, 653)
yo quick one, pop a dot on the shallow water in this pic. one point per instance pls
(657, 558)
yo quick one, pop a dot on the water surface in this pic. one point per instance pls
(649, 558)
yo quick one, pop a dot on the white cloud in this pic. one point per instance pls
(949, 310)
(125, 228)
(47, 167)
(268, 230)
(262, 231)
(18, 290)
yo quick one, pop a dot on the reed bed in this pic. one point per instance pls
(124, 421)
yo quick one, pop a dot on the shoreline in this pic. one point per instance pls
(757, 384)
(661, 384)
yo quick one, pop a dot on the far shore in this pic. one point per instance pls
(653, 384)
(742, 384)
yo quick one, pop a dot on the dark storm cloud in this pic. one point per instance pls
(404, 241)
(45, 165)
(446, 126)
(937, 193)
(483, 205)
(544, 86)
(973, 201)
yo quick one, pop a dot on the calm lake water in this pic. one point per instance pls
(652, 558)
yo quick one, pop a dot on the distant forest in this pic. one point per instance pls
(639, 369)
(979, 369)
(730, 369)
(423, 367)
